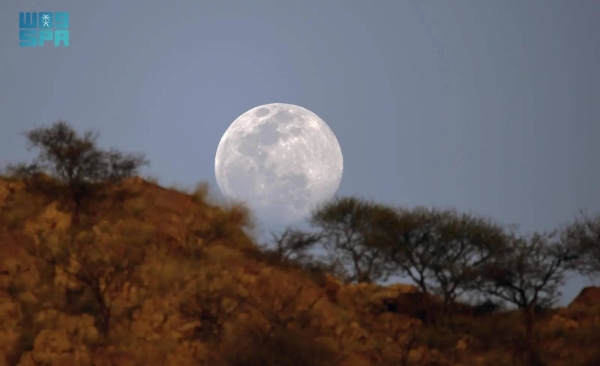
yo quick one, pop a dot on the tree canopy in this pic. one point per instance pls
(75, 160)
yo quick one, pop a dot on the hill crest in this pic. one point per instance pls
(153, 276)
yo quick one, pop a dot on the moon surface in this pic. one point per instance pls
(281, 159)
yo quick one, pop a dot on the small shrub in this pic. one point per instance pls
(284, 347)
(317, 272)
(81, 301)
(151, 179)
(103, 268)
(440, 338)
(587, 335)
(239, 215)
(14, 220)
(491, 332)
(177, 187)
(200, 193)
(14, 289)
(24, 344)
(28, 329)
(137, 207)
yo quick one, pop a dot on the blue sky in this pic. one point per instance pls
(491, 107)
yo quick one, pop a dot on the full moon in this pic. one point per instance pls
(280, 159)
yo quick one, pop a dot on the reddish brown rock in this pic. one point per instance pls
(589, 296)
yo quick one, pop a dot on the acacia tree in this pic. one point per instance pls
(584, 235)
(528, 273)
(293, 245)
(441, 250)
(76, 161)
(349, 229)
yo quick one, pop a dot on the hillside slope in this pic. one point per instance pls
(151, 276)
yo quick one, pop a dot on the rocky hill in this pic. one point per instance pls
(150, 276)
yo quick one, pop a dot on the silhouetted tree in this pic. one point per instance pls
(528, 273)
(294, 244)
(486, 307)
(75, 160)
(350, 228)
(441, 250)
(584, 235)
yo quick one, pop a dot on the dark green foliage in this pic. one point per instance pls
(76, 161)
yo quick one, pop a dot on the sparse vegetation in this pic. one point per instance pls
(348, 229)
(441, 250)
(200, 193)
(95, 274)
(283, 347)
(75, 161)
(584, 234)
(293, 245)
(100, 268)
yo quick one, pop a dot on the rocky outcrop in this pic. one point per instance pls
(589, 296)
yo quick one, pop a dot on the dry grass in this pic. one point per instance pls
(195, 256)
(254, 346)
(152, 179)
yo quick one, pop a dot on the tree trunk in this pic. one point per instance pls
(528, 317)
(76, 206)
(530, 343)
(103, 318)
